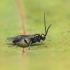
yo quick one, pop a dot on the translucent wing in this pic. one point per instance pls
(19, 37)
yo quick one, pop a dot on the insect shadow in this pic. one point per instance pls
(25, 46)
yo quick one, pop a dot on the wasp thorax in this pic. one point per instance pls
(42, 36)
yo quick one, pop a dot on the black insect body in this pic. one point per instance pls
(29, 39)
(36, 38)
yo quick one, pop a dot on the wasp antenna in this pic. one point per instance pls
(45, 21)
(47, 29)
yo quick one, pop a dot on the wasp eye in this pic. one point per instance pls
(43, 37)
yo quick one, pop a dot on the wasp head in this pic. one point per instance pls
(43, 37)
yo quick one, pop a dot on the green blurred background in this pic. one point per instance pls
(54, 53)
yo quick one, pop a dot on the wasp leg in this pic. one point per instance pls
(26, 41)
(30, 43)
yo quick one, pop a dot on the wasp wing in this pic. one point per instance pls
(19, 37)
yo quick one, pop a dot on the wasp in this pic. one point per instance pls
(30, 39)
